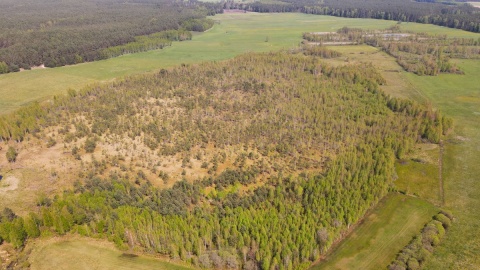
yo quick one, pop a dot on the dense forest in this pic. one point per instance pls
(315, 147)
(461, 15)
(57, 33)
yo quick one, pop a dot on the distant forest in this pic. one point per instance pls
(57, 33)
(453, 15)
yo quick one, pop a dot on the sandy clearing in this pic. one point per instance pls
(9, 183)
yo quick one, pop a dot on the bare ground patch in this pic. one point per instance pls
(9, 183)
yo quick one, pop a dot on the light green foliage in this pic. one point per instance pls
(418, 251)
(3, 68)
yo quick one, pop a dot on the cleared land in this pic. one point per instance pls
(385, 231)
(84, 253)
(233, 35)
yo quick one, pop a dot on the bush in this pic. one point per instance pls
(11, 154)
(446, 222)
(51, 142)
(90, 145)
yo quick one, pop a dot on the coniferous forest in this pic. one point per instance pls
(315, 147)
(450, 14)
(57, 33)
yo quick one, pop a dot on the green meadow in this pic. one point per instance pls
(459, 97)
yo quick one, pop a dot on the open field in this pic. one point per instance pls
(385, 231)
(459, 97)
(235, 34)
(83, 253)
(419, 175)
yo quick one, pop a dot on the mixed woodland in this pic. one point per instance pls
(419, 53)
(280, 154)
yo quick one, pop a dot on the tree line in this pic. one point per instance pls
(460, 15)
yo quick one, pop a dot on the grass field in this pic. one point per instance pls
(459, 97)
(384, 232)
(419, 175)
(235, 34)
(83, 253)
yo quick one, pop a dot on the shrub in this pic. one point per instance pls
(446, 222)
(90, 145)
(11, 154)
